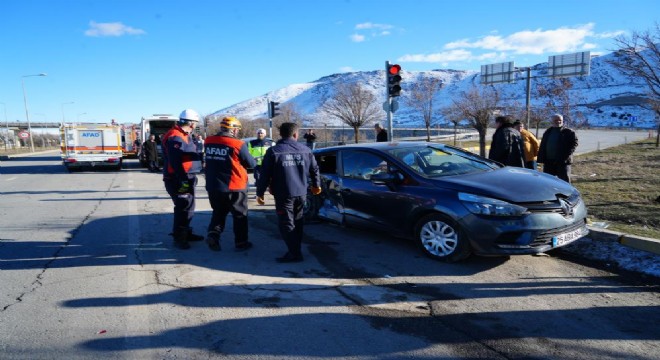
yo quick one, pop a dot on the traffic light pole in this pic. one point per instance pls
(390, 127)
(270, 127)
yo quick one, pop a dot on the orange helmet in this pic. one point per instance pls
(230, 122)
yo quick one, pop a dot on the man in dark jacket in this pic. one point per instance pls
(181, 164)
(150, 149)
(557, 147)
(285, 169)
(507, 144)
(226, 158)
(381, 133)
(310, 138)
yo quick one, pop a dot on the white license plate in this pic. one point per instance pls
(567, 237)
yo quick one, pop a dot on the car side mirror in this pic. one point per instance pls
(385, 178)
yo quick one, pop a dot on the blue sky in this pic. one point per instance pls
(124, 59)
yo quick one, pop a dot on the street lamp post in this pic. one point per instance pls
(66, 103)
(27, 114)
(79, 115)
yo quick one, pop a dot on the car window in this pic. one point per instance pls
(436, 162)
(362, 164)
(327, 163)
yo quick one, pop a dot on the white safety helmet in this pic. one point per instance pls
(188, 115)
(261, 131)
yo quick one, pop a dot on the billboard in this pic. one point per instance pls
(577, 64)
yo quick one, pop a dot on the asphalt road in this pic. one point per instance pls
(88, 271)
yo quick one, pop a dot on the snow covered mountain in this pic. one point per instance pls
(605, 97)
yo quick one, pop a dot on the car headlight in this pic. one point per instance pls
(481, 205)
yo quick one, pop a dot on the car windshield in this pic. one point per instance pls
(434, 162)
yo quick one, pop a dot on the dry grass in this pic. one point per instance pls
(621, 186)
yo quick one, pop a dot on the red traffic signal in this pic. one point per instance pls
(393, 80)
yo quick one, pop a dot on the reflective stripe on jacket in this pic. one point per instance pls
(258, 149)
(180, 157)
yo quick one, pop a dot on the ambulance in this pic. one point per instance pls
(90, 145)
(158, 125)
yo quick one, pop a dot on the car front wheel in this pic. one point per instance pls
(441, 239)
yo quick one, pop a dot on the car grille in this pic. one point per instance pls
(545, 237)
(563, 206)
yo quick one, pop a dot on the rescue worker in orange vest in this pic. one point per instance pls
(181, 163)
(226, 159)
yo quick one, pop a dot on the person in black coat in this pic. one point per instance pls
(557, 147)
(310, 138)
(151, 153)
(507, 144)
(381, 134)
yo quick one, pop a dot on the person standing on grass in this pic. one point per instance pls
(557, 147)
(530, 145)
(506, 146)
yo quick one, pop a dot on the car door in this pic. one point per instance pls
(370, 205)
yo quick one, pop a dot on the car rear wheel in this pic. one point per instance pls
(441, 239)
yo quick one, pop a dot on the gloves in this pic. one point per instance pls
(185, 187)
(260, 200)
(316, 190)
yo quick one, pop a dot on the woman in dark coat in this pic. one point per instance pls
(507, 145)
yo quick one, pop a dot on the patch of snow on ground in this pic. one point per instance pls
(616, 256)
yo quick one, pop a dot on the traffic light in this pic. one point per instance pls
(273, 109)
(393, 80)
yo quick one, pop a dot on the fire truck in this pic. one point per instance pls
(90, 145)
(130, 140)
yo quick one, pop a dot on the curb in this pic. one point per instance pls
(13, 156)
(633, 241)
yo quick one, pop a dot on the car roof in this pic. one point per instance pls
(382, 146)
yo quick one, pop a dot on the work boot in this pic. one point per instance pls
(194, 237)
(213, 240)
(181, 239)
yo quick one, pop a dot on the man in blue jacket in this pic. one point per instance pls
(284, 170)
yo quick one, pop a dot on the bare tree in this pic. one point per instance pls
(288, 113)
(354, 106)
(477, 106)
(421, 99)
(559, 99)
(454, 117)
(537, 115)
(639, 57)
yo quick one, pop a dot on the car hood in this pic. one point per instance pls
(511, 184)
